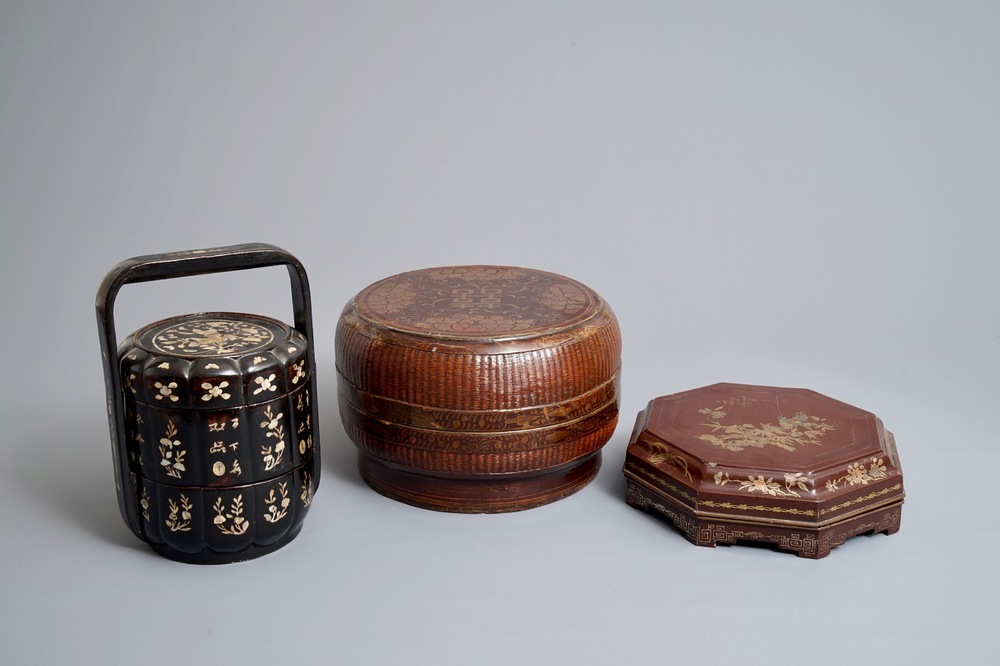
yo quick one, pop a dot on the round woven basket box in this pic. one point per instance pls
(478, 389)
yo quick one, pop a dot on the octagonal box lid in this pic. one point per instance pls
(791, 467)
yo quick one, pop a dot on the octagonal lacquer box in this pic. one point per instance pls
(732, 463)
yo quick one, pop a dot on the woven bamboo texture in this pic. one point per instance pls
(523, 399)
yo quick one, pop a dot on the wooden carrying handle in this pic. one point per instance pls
(181, 264)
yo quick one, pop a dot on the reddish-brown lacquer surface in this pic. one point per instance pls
(790, 467)
(478, 388)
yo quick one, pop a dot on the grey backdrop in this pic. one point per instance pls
(787, 193)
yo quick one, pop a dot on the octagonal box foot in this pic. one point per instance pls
(812, 543)
(498, 493)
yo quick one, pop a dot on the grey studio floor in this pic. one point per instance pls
(795, 194)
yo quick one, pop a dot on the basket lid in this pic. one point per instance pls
(478, 338)
(477, 303)
(765, 454)
(213, 360)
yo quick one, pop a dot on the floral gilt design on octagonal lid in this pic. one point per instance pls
(733, 448)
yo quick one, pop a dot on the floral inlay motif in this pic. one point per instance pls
(857, 474)
(768, 486)
(307, 489)
(212, 337)
(166, 391)
(144, 503)
(265, 384)
(230, 521)
(215, 391)
(662, 455)
(798, 430)
(298, 371)
(179, 518)
(272, 454)
(277, 509)
(171, 453)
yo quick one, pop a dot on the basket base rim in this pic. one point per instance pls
(487, 493)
